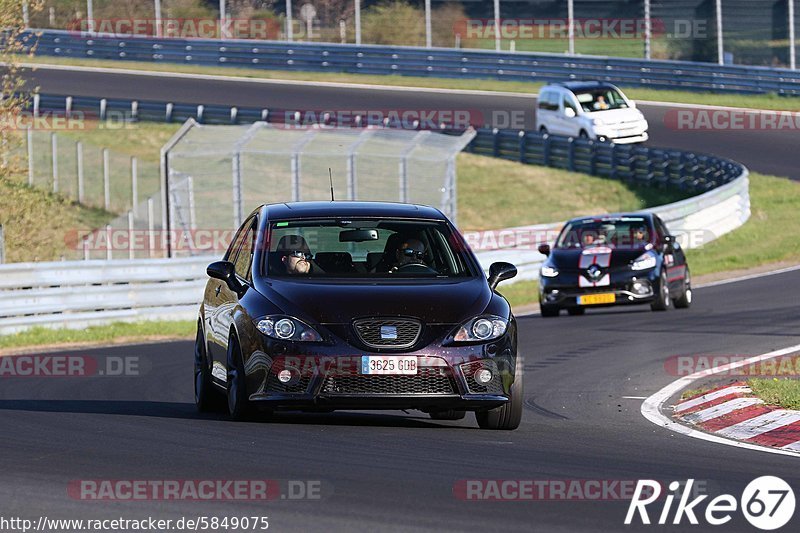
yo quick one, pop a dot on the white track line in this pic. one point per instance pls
(722, 409)
(748, 277)
(651, 407)
(705, 398)
(760, 424)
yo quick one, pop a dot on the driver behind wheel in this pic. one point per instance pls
(410, 253)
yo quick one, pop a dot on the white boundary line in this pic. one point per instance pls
(652, 406)
(748, 276)
(361, 86)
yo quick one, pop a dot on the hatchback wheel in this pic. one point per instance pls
(205, 397)
(685, 299)
(509, 415)
(662, 301)
(238, 405)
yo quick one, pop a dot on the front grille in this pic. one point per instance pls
(388, 332)
(300, 386)
(429, 380)
(495, 386)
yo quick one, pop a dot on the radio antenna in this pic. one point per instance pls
(330, 177)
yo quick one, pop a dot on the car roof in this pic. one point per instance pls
(582, 85)
(612, 217)
(346, 208)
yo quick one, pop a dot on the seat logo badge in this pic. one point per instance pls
(389, 333)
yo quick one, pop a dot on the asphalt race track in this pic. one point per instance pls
(397, 471)
(390, 471)
(767, 151)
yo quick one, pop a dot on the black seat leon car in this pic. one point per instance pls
(319, 306)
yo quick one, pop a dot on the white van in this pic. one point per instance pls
(590, 110)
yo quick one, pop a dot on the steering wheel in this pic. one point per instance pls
(415, 268)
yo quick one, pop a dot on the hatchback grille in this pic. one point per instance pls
(388, 332)
(429, 380)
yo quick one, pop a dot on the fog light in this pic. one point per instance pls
(641, 287)
(483, 376)
(552, 296)
(285, 376)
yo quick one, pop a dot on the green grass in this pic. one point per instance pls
(117, 332)
(781, 392)
(762, 101)
(767, 237)
(495, 193)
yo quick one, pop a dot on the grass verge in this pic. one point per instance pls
(781, 392)
(761, 101)
(116, 333)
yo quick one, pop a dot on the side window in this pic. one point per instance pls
(544, 100)
(236, 243)
(244, 258)
(568, 104)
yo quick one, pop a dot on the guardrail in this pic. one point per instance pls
(411, 61)
(77, 294)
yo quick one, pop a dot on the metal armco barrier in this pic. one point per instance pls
(410, 61)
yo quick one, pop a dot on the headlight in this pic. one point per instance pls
(644, 261)
(549, 272)
(481, 328)
(287, 328)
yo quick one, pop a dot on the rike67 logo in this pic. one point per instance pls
(767, 503)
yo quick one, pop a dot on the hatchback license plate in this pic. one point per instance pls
(594, 299)
(403, 365)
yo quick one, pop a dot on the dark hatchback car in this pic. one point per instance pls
(319, 306)
(627, 258)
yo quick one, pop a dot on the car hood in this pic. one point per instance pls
(440, 302)
(569, 259)
(614, 116)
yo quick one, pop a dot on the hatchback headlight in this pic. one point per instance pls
(549, 272)
(287, 328)
(481, 328)
(644, 261)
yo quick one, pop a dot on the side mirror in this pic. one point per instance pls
(500, 272)
(224, 271)
(632, 104)
(569, 112)
(669, 239)
(544, 249)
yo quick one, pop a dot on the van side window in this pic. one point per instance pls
(548, 101)
(568, 104)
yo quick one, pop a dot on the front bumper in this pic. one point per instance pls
(324, 380)
(639, 288)
(623, 135)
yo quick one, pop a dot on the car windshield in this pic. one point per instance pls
(601, 99)
(628, 232)
(371, 248)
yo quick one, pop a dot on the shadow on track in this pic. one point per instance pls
(187, 411)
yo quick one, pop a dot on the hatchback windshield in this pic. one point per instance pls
(601, 99)
(371, 248)
(630, 232)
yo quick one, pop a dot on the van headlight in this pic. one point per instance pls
(287, 328)
(549, 272)
(645, 261)
(481, 328)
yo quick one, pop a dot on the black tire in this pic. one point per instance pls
(543, 130)
(450, 414)
(662, 301)
(576, 311)
(205, 397)
(239, 407)
(583, 135)
(549, 310)
(508, 416)
(685, 299)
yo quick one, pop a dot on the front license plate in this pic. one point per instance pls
(595, 299)
(404, 365)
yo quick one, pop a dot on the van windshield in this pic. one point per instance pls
(601, 99)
